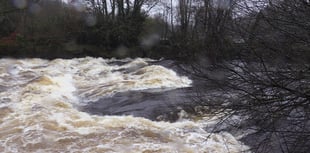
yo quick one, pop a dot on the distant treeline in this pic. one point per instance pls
(182, 29)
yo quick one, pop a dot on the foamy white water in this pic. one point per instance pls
(39, 99)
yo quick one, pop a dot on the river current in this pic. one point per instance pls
(53, 105)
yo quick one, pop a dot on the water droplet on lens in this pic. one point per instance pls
(90, 20)
(34, 8)
(20, 3)
(150, 40)
(122, 51)
(79, 6)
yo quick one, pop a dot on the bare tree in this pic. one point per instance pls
(269, 83)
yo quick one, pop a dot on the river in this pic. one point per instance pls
(102, 105)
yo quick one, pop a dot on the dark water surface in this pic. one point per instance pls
(161, 105)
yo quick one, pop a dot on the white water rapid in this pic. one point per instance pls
(39, 100)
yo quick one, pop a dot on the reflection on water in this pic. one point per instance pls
(40, 101)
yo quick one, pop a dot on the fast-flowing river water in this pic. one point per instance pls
(100, 105)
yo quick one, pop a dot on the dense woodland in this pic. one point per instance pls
(258, 51)
(183, 29)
